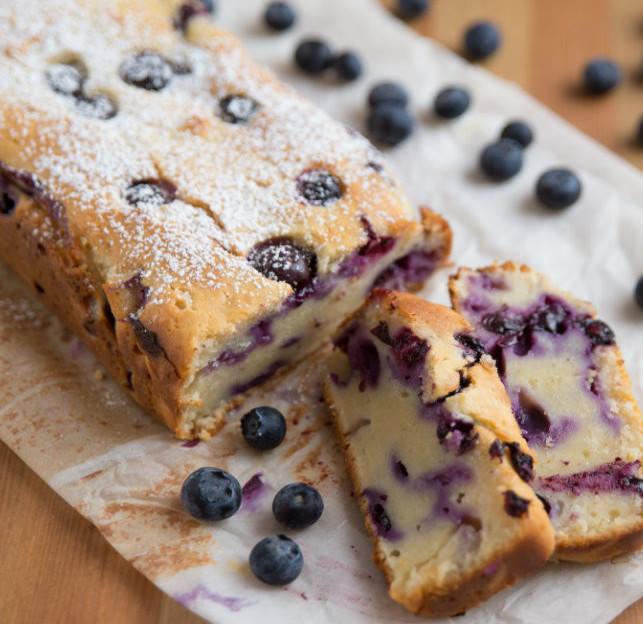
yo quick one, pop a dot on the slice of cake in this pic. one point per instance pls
(200, 225)
(572, 399)
(437, 461)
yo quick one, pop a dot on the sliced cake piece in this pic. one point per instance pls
(437, 461)
(572, 399)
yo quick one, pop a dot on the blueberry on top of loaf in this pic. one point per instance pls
(204, 160)
(437, 461)
(572, 399)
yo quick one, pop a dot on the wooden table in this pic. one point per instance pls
(56, 567)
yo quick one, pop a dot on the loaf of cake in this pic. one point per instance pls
(199, 224)
(438, 464)
(572, 399)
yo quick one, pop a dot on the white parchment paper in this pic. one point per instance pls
(123, 471)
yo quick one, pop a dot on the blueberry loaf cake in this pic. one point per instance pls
(437, 461)
(199, 224)
(572, 399)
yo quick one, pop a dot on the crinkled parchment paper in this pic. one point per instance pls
(123, 471)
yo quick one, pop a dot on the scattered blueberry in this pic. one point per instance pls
(313, 56)
(146, 70)
(280, 259)
(348, 66)
(98, 106)
(319, 187)
(211, 494)
(279, 16)
(601, 75)
(599, 332)
(519, 131)
(276, 560)
(389, 124)
(297, 505)
(237, 108)
(515, 505)
(67, 78)
(263, 428)
(388, 93)
(501, 160)
(558, 188)
(410, 9)
(638, 292)
(481, 40)
(451, 102)
(153, 192)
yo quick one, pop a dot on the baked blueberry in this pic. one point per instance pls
(98, 106)
(639, 132)
(515, 505)
(599, 332)
(146, 339)
(237, 108)
(499, 323)
(410, 9)
(481, 40)
(263, 428)
(388, 124)
(153, 192)
(388, 93)
(67, 78)
(281, 260)
(558, 188)
(279, 16)
(601, 75)
(319, 187)
(211, 494)
(451, 102)
(146, 70)
(297, 505)
(8, 199)
(519, 131)
(276, 560)
(501, 160)
(190, 9)
(638, 292)
(313, 56)
(348, 66)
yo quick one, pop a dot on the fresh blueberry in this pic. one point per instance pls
(638, 292)
(451, 102)
(297, 505)
(263, 428)
(313, 56)
(319, 187)
(281, 260)
(519, 131)
(146, 70)
(501, 160)
(389, 125)
(481, 40)
(237, 108)
(279, 16)
(98, 106)
(276, 560)
(601, 75)
(388, 93)
(558, 188)
(410, 9)
(67, 78)
(211, 494)
(152, 192)
(348, 66)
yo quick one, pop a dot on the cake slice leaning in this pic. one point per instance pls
(572, 399)
(437, 461)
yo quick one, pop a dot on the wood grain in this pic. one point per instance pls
(56, 567)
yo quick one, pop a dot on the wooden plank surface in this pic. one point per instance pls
(55, 567)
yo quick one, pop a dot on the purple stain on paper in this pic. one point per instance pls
(253, 491)
(201, 592)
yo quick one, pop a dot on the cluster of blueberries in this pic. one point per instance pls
(213, 494)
